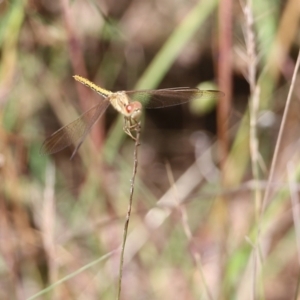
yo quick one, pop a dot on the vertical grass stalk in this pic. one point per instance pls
(135, 165)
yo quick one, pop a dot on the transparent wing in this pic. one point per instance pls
(75, 132)
(170, 97)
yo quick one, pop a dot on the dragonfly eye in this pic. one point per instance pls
(133, 106)
(134, 110)
(129, 108)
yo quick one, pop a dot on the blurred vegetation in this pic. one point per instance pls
(203, 226)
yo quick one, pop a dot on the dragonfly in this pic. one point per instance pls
(128, 103)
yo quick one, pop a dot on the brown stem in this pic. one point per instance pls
(78, 65)
(225, 76)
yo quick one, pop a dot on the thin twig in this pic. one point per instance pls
(280, 134)
(135, 157)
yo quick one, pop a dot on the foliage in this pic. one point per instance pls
(203, 226)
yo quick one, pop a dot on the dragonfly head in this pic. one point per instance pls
(134, 110)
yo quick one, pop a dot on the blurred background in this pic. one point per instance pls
(215, 211)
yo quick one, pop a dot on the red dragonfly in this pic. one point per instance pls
(128, 103)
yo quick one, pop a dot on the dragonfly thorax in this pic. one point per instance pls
(119, 100)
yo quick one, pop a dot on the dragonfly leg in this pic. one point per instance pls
(127, 131)
(128, 127)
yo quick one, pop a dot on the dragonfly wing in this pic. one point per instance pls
(75, 132)
(170, 97)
